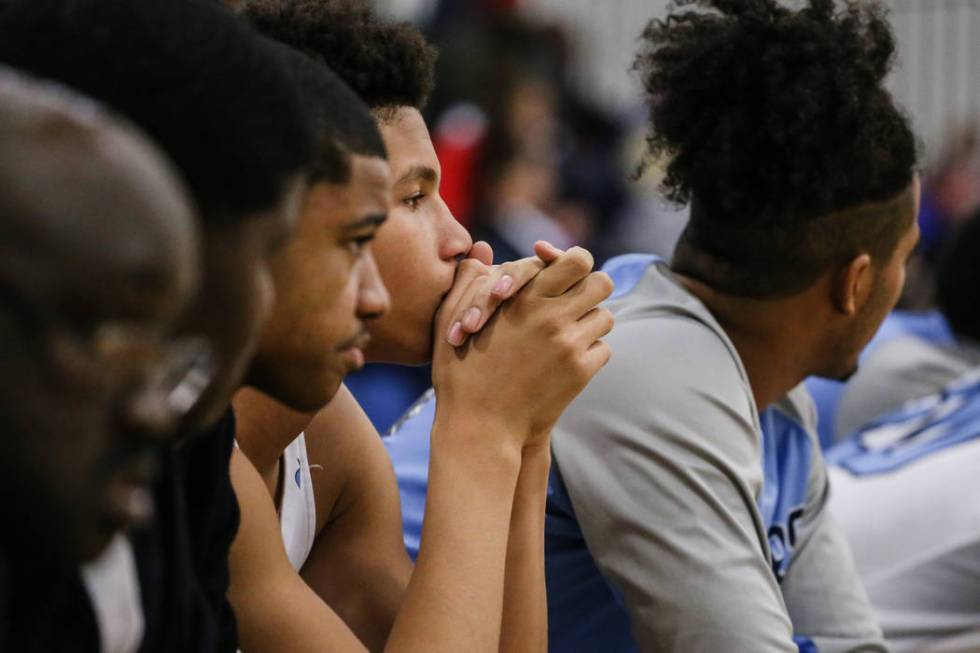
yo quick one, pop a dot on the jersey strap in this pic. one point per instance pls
(787, 456)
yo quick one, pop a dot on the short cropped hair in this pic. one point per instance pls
(190, 73)
(776, 126)
(342, 123)
(389, 65)
(958, 280)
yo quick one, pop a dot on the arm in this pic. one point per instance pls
(822, 589)
(275, 609)
(358, 564)
(663, 464)
(498, 394)
(455, 597)
(525, 618)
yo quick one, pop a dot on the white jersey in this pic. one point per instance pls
(113, 586)
(907, 494)
(297, 509)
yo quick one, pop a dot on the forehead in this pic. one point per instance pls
(370, 176)
(408, 142)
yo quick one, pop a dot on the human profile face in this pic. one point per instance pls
(236, 296)
(418, 249)
(889, 280)
(88, 402)
(327, 290)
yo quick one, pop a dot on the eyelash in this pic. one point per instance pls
(413, 200)
(358, 244)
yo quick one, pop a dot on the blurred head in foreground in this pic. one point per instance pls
(98, 257)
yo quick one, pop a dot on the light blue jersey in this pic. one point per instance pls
(681, 522)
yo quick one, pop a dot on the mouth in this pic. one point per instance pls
(129, 494)
(353, 349)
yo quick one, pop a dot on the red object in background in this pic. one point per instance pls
(458, 141)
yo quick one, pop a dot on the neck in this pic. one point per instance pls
(770, 336)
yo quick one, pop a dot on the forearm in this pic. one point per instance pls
(455, 597)
(525, 612)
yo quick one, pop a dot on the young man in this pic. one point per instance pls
(687, 509)
(316, 334)
(99, 256)
(221, 104)
(905, 484)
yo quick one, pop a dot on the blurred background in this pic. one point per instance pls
(539, 125)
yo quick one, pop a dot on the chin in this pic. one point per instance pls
(841, 373)
(411, 354)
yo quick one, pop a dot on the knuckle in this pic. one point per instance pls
(581, 258)
(606, 320)
(603, 282)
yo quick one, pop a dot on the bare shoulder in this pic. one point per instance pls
(346, 456)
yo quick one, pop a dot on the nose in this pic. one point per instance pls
(372, 296)
(454, 240)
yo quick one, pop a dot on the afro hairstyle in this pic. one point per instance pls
(775, 125)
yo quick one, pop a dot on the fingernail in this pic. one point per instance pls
(456, 334)
(503, 285)
(472, 318)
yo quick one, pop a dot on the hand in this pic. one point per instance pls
(490, 286)
(533, 356)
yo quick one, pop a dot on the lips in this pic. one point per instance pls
(359, 341)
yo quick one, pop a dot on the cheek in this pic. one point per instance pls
(397, 254)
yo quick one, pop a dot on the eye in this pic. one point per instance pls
(413, 200)
(358, 244)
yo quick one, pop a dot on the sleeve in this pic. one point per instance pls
(822, 589)
(662, 462)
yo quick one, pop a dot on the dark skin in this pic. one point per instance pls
(821, 330)
(96, 267)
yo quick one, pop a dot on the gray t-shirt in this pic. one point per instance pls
(709, 519)
(903, 369)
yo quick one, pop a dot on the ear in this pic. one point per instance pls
(853, 285)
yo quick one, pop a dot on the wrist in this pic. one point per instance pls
(476, 438)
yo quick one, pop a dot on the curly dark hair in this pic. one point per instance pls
(191, 74)
(775, 125)
(389, 65)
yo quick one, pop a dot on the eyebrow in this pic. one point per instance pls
(373, 220)
(418, 172)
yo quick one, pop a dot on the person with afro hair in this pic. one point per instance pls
(692, 490)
